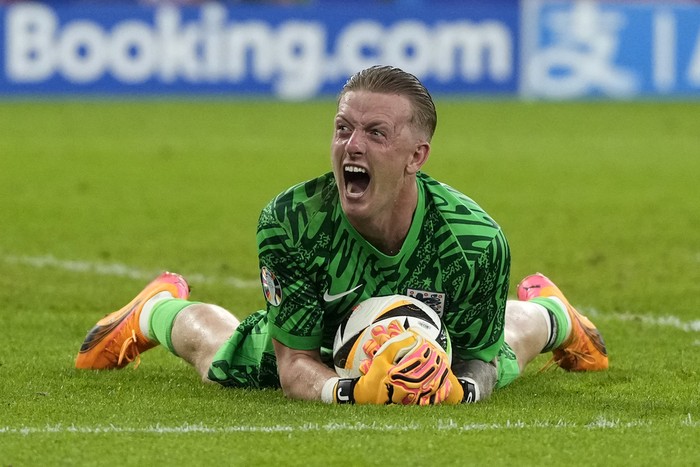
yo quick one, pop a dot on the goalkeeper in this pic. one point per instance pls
(373, 226)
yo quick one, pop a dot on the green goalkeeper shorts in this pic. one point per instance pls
(507, 365)
(247, 359)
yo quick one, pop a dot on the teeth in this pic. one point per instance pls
(353, 168)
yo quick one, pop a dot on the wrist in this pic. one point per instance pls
(470, 388)
(328, 390)
(338, 391)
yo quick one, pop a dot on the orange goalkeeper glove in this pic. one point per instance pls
(451, 389)
(380, 335)
(418, 376)
(403, 368)
(458, 390)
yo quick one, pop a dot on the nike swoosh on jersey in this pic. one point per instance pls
(331, 298)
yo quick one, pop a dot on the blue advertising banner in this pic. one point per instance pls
(294, 52)
(551, 49)
(610, 49)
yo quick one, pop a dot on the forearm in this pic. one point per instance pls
(484, 375)
(305, 379)
(302, 374)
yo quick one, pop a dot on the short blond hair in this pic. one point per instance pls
(391, 80)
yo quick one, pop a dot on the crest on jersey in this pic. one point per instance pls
(271, 287)
(434, 300)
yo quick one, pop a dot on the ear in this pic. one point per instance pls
(419, 157)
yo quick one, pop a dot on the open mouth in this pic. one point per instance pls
(356, 180)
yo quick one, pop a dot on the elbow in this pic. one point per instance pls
(287, 385)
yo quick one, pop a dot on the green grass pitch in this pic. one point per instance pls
(98, 197)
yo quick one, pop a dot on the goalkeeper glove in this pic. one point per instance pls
(453, 390)
(450, 390)
(403, 368)
(459, 390)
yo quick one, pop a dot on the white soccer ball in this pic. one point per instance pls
(357, 329)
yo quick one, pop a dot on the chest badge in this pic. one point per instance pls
(434, 300)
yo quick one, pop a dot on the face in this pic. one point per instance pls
(375, 154)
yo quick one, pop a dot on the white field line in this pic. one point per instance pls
(122, 270)
(119, 270)
(652, 320)
(600, 423)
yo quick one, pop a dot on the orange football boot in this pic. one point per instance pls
(116, 340)
(584, 349)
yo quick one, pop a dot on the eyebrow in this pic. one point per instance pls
(370, 124)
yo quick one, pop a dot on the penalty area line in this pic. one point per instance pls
(600, 423)
(668, 321)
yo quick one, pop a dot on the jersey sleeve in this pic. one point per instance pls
(294, 314)
(477, 330)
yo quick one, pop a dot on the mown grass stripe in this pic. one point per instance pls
(123, 270)
(119, 270)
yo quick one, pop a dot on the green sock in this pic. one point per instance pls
(562, 321)
(163, 316)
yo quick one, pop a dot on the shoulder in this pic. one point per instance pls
(301, 202)
(454, 205)
(472, 226)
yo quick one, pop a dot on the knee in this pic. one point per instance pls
(518, 306)
(518, 312)
(205, 317)
(199, 331)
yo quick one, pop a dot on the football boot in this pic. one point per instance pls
(584, 349)
(116, 340)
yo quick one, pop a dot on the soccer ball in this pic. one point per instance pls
(357, 329)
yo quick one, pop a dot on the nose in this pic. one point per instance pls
(356, 143)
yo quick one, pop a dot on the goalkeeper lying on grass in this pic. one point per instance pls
(374, 226)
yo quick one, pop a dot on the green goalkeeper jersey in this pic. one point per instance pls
(315, 267)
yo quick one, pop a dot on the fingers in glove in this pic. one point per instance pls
(398, 346)
(395, 328)
(425, 365)
(380, 335)
(391, 352)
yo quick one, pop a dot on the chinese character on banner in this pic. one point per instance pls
(572, 50)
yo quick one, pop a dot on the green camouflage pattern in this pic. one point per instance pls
(316, 268)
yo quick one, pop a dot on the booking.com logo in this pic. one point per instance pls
(296, 57)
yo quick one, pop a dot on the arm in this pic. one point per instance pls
(302, 374)
(481, 374)
(415, 379)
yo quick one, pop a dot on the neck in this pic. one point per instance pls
(388, 231)
(390, 242)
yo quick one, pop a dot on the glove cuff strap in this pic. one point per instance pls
(344, 392)
(471, 390)
(338, 391)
